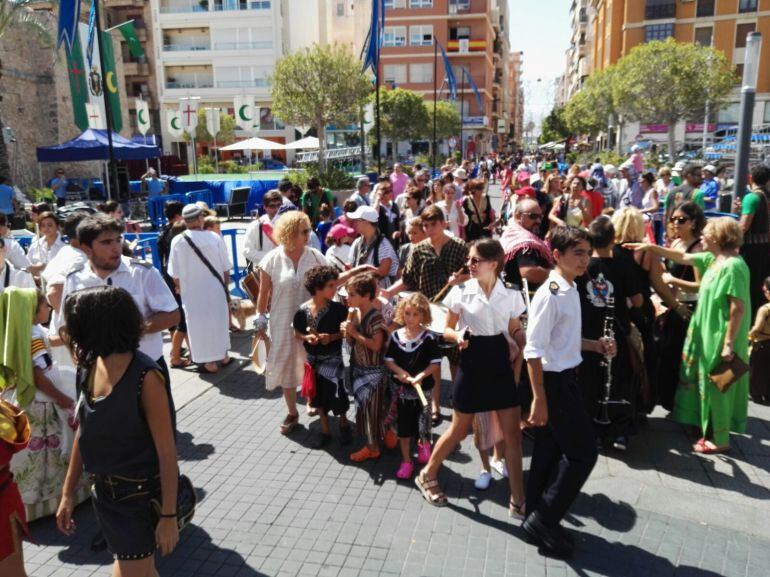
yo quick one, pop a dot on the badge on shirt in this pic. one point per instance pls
(553, 287)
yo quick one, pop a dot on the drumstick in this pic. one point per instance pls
(442, 293)
(339, 260)
(421, 394)
(525, 285)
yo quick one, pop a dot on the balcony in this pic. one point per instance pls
(136, 68)
(122, 3)
(231, 5)
(261, 45)
(659, 9)
(459, 6)
(191, 80)
(181, 43)
(183, 6)
(253, 83)
(466, 45)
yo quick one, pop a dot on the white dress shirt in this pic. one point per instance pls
(554, 325)
(14, 254)
(15, 278)
(485, 316)
(41, 253)
(142, 281)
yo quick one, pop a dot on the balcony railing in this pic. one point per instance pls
(473, 45)
(188, 43)
(186, 6)
(182, 6)
(191, 82)
(656, 9)
(253, 83)
(262, 45)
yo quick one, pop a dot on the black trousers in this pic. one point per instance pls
(565, 450)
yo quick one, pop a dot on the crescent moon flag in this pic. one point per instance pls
(174, 123)
(245, 113)
(142, 116)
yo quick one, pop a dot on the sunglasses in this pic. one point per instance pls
(475, 261)
(533, 215)
(679, 219)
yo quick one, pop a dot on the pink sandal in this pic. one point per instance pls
(405, 471)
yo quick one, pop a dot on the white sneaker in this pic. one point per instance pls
(482, 483)
(500, 468)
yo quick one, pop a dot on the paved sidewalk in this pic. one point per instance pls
(269, 505)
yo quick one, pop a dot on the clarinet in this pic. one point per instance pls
(608, 332)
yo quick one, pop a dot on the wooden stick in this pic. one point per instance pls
(442, 293)
(421, 394)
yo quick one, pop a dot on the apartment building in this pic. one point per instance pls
(578, 64)
(474, 34)
(619, 25)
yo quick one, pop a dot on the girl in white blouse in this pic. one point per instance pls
(488, 313)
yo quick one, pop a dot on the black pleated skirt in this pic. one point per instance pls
(485, 379)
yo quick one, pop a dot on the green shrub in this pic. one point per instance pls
(44, 194)
(334, 178)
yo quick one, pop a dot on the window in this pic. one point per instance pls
(394, 36)
(703, 35)
(421, 73)
(729, 114)
(421, 35)
(658, 31)
(660, 9)
(747, 6)
(766, 117)
(394, 73)
(458, 5)
(705, 8)
(460, 33)
(420, 3)
(395, 4)
(340, 8)
(741, 31)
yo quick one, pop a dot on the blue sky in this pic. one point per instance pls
(541, 29)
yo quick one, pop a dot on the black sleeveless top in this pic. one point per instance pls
(684, 271)
(115, 438)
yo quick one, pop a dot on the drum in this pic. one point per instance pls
(250, 285)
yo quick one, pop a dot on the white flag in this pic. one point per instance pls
(188, 110)
(174, 123)
(95, 117)
(246, 116)
(213, 121)
(142, 116)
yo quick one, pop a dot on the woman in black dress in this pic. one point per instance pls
(125, 441)
(489, 313)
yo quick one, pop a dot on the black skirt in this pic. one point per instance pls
(485, 379)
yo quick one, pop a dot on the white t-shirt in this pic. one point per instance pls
(485, 316)
(338, 255)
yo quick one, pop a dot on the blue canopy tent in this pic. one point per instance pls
(92, 145)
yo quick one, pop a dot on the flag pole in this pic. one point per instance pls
(435, 100)
(111, 167)
(462, 117)
(379, 131)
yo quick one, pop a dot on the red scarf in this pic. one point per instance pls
(516, 238)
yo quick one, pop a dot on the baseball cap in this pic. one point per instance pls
(366, 213)
(339, 231)
(523, 176)
(526, 191)
(710, 168)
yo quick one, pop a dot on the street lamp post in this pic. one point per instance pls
(748, 94)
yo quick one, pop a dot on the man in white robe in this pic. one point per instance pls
(203, 294)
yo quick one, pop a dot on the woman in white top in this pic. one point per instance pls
(453, 214)
(47, 245)
(372, 247)
(259, 234)
(282, 291)
(489, 314)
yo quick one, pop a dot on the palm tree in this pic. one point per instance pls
(19, 13)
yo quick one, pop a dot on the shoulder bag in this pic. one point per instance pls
(208, 265)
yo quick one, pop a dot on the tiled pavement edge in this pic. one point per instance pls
(269, 505)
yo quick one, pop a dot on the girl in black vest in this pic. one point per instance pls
(126, 440)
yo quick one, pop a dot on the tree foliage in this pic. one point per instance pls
(318, 86)
(447, 120)
(226, 133)
(554, 126)
(589, 110)
(403, 114)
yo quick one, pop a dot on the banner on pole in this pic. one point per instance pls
(69, 16)
(246, 115)
(174, 123)
(142, 116)
(188, 110)
(213, 121)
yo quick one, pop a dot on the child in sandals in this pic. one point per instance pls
(414, 359)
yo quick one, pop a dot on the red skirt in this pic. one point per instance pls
(13, 523)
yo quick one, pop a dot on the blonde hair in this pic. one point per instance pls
(416, 301)
(289, 226)
(629, 225)
(724, 232)
(211, 222)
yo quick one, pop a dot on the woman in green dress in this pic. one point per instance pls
(718, 330)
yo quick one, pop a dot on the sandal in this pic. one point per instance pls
(185, 362)
(517, 511)
(435, 419)
(364, 454)
(226, 362)
(289, 423)
(704, 447)
(437, 499)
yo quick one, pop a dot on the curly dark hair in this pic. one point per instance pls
(317, 277)
(89, 335)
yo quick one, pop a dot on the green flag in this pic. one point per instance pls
(78, 85)
(112, 82)
(129, 35)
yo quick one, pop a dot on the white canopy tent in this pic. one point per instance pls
(254, 143)
(309, 142)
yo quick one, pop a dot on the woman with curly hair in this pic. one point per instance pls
(281, 291)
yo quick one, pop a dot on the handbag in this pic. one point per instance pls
(186, 499)
(308, 389)
(727, 373)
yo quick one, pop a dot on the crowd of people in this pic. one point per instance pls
(593, 295)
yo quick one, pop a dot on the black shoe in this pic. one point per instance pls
(322, 441)
(98, 543)
(566, 535)
(346, 435)
(551, 541)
